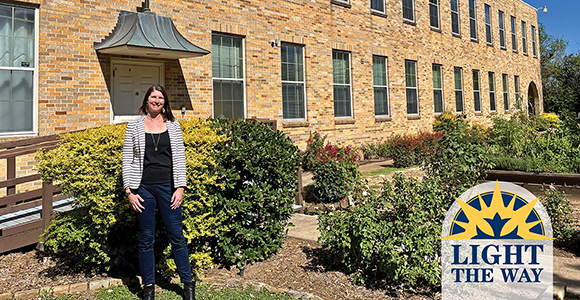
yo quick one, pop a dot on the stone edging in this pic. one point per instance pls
(63, 289)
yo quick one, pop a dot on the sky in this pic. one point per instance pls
(562, 20)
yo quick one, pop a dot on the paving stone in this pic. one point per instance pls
(78, 288)
(60, 290)
(6, 296)
(115, 282)
(27, 295)
(99, 284)
(298, 295)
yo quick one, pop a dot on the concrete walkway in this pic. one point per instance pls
(566, 270)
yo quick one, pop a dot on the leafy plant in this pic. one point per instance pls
(559, 209)
(314, 144)
(257, 185)
(335, 173)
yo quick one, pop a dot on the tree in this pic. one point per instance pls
(560, 74)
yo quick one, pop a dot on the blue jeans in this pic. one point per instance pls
(159, 196)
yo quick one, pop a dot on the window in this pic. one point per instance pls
(491, 77)
(437, 89)
(458, 89)
(524, 41)
(434, 13)
(472, 20)
(488, 24)
(228, 76)
(534, 51)
(476, 96)
(18, 30)
(341, 77)
(513, 23)
(409, 10)
(342, 1)
(506, 101)
(378, 6)
(455, 17)
(380, 83)
(293, 93)
(517, 90)
(411, 87)
(501, 30)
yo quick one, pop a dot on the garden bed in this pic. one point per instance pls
(531, 177)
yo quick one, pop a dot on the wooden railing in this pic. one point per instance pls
(16, 234)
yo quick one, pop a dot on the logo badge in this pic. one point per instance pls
(497, 244)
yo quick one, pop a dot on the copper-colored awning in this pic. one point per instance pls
(147, 34)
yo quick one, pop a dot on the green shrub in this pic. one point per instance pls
(411, 150)
(314, 144)
(335, 173)
(257, 180)
(394, 237)
(559, 209)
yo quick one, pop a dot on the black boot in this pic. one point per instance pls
(189, 290)
(149, 292)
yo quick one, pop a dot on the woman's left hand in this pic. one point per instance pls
(176, 198)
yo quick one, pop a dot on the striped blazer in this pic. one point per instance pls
(134, 153)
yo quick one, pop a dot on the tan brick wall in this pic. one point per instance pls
(74, 82)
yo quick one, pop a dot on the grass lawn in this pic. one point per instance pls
(383, 171)
(203, 292)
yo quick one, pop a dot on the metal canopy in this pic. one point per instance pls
(147, 34)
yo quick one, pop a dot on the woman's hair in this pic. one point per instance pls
(166, 112)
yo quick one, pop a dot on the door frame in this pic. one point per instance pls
(135, 62)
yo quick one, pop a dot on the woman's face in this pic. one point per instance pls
(155, 102)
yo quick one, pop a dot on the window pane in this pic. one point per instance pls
(23, 52)
(434, 13)
(293, 101)
(21, 115)
(24, 13)
(455, 22)
(492, 102)
(21, 85)
(5, 121)
(228, 109)
(458, 83)
(5, 25)
(5, 11)
(436, 77)
(473, 29)
(458, 101)
(238, 108)
(5, 50)
(381, 101)
(410, 74)
(378, 5)
(24, 28)
(438, 97)
(5, 85)
(379, 71)
(408, 10)
(342, 101)
(340, 67)
(412, 105)
(477, 101)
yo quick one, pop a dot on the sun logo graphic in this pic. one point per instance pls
(497, 244)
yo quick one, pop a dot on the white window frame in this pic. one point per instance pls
(344, 84)
(478, 91)
(379, 11)
(243, 79)
(34, 70)
(524, 39)
(438, 27)
(514, 36)
(416, 87)
(303, 82)
(506, 99)
(517, 88)
(459, 90)
(384, 86)
(438, 89)
(488, 32)
(501, 20)
(458, 33)
(534, 51)
(342, 1)
(414, 17)
(474, 19)
(492, 98)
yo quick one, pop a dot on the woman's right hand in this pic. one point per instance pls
(135, 201)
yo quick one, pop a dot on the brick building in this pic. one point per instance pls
(356, 70)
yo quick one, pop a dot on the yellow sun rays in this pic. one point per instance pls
(517, 219)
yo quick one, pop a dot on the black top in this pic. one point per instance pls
(158, 162)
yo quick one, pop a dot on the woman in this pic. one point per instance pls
(154, 177)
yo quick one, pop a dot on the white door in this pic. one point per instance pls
(130, 83)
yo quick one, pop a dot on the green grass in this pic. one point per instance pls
(203, 292)
(383, 171)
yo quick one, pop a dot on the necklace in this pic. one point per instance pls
(156, 143)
